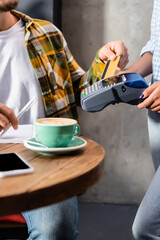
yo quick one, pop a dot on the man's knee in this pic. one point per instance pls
(62, 231)
(55, 222)
(65, 223)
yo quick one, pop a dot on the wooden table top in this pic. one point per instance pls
(55, 178)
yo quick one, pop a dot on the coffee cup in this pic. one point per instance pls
(56, 132)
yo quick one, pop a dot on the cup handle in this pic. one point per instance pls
(76, 129)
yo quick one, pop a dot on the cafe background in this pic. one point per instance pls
(121, 129)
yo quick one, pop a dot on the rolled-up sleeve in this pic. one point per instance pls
(150, 46)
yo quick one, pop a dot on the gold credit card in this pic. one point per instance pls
(110, 68)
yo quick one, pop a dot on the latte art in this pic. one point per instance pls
(56, 121)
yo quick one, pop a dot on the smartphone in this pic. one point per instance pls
(13, 164)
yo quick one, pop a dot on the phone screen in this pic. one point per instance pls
(12, 164)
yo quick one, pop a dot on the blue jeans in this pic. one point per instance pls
(55, 222)
(147, 221)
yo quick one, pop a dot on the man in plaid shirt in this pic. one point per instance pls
(35, 61)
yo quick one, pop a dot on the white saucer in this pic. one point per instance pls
(77, 143)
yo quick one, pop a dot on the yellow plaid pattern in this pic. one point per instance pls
(61, 79)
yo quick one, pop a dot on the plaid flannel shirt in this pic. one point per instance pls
(60, 77)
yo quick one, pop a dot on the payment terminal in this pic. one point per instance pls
(125, 88)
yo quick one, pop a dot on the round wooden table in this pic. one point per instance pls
(55, 177)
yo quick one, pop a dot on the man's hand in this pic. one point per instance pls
(112, 50)
(152, 95)
(7, 117)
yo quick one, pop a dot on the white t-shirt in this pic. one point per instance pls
(18, 82)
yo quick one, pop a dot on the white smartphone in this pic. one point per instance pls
(13, 164)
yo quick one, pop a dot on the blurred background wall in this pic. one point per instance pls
(37, 8)
(120, 129)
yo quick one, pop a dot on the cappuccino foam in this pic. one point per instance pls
(56, 121)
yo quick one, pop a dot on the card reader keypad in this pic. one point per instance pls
(93, 87)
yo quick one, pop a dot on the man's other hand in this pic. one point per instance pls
(7, 117)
